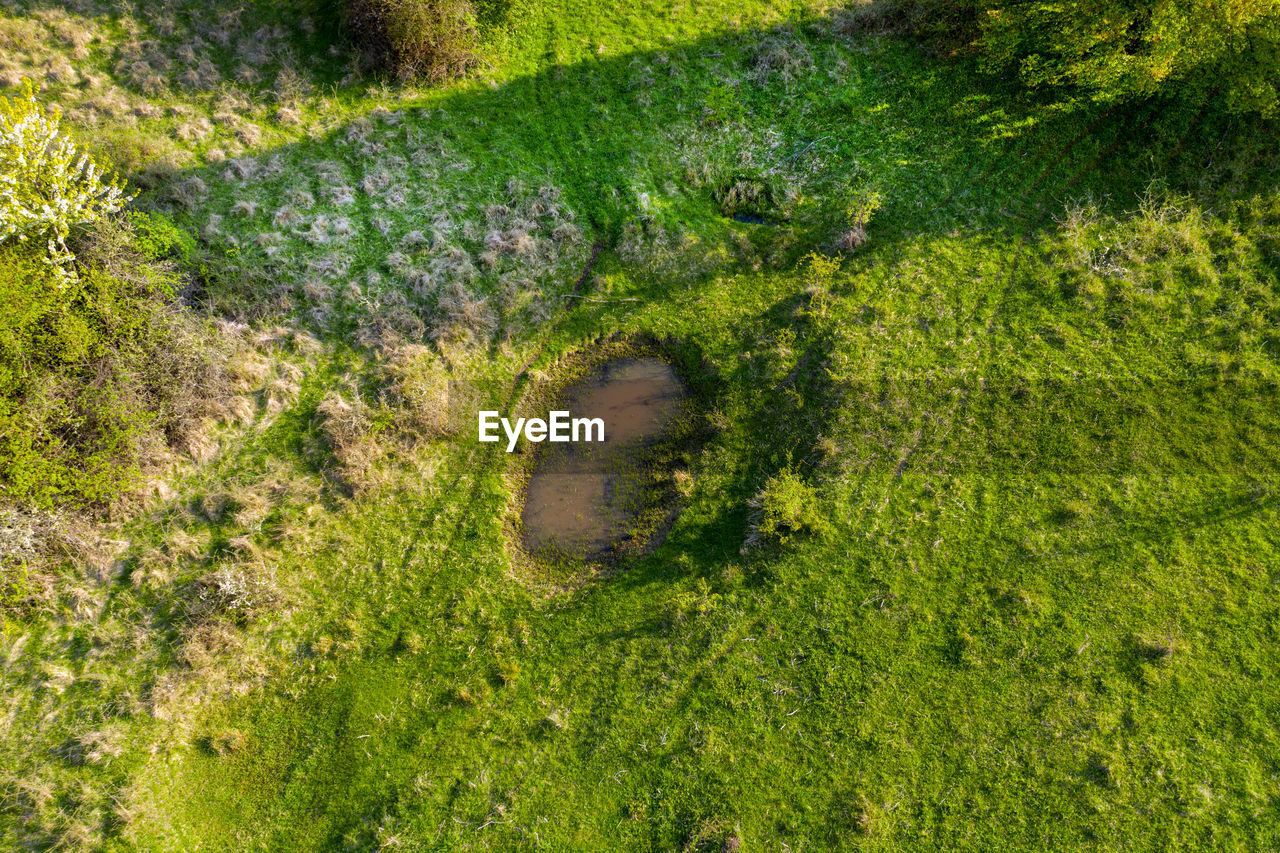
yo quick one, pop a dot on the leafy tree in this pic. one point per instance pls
(1119, 49)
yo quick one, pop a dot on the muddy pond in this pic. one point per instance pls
(596, 500)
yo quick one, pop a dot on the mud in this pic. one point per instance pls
(587, 500)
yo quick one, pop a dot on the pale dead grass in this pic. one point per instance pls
(345, 424)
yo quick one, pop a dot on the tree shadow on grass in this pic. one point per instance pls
(605, 132)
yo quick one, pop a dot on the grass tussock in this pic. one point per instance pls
(346, 429)
(781, 55)
(419, 391)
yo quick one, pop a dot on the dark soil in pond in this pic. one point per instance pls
(590, 500)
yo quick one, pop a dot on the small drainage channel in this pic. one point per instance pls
(593, 501)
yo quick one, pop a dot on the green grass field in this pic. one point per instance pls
(1036, 411)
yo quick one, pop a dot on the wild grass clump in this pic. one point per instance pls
(432, 40)
(867, 817)
(463, 316)
(746, 195)
(786, 507)
(92, 747)
(419, 390)
(1174, 258)
(1158, 647)
(781, 55)
(346, 427)
(145, 158)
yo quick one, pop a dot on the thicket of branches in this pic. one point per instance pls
(413, 39)
(100, 368)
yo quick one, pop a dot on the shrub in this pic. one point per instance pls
(691, 604)
(858, 208)
(1117, 48)
(820, 272)
(787, 506)
(427, 39)
(98, 371)
(47, 185)
(236, 592)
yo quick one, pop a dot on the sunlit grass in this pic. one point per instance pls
(1035, 410)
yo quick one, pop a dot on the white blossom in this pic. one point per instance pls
(47, 185)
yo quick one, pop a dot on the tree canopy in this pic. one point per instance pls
(1118, 49)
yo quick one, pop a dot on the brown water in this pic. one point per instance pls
(583, 499)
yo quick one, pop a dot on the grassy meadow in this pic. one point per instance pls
(1031, 598)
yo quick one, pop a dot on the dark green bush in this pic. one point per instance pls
(99, 372)
(423, 39)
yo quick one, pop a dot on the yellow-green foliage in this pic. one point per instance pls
(92, 362)
(1118, 49)
(47, 185)
(861, 206)
(92, 366)
(789, 505)
(820, 269)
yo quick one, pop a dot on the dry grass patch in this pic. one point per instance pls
(419, 389)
